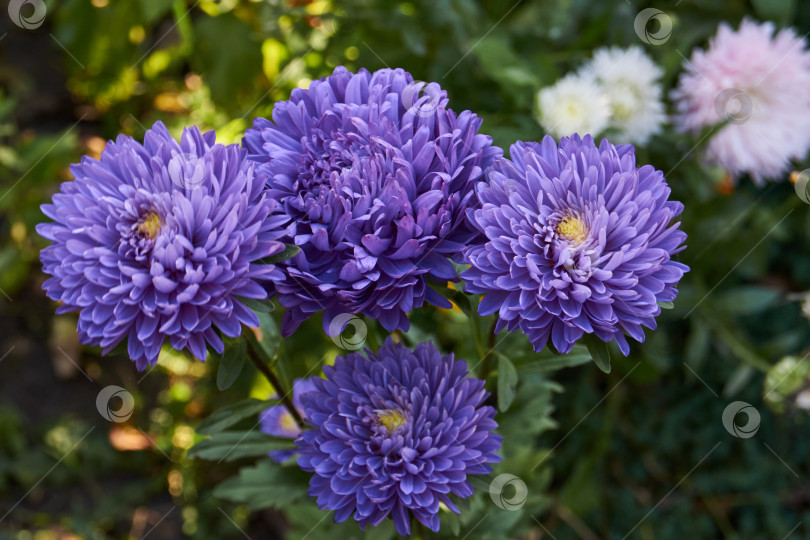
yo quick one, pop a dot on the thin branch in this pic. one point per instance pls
(280, 390)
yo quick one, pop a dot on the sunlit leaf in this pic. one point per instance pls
(231, 362)
(227, 416)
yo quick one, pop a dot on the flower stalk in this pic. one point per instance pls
(284, 395)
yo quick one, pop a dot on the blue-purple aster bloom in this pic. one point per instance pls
(278, 422)
(158, 240)
(374, 175)
(396, 432)
(578, 240)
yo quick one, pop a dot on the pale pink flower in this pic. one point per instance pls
(756, 80)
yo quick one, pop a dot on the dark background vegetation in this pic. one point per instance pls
(640, 451)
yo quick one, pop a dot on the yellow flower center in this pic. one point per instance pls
(150, 225)
(391, 419)
(622, 111)
(288, 422)
(572, 108)
(626, 100)
(572, 228)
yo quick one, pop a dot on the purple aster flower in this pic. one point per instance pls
(278, 422)
(396, 431)
(158, 240)
(578, 240)
(374, 178)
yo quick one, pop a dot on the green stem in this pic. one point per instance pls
(371, 334)
(475, 330)
(284, 396)
(485, 361)
(420, 529)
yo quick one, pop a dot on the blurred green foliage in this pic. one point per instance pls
(641, 451)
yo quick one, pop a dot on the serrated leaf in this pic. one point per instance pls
(262, 485)
(289, 252)
(599, 351)
(231, 363)
(226, 417)
(507, 381)
(579, 355)
(233, 445)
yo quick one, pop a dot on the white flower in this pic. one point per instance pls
(806, 306)
(629, 79)
(574, 104)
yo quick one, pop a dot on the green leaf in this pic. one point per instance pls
(739, 345)
(457, 297)
(452, 520)
(747, 300)
(530, 412)
(231, 362)
(697, 343)
(599, 351)
(499, 60)
(666, 305)
(781, 11)
(413, 336)
(415, 41)
(266, 339)
(581, 488)
(738, 380)
(226, 417)
(233, 445)
(579, 355)
(507, 381)
(289, 252)
(262, 485)
(258, 306)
